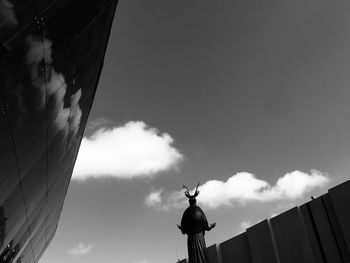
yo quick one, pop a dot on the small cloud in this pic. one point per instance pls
(128, 151)
(8, 21)
(154, 198)
(166, 201)
(244, 187)
(244, 225)
(80, 249)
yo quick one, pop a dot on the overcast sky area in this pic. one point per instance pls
(248, 97)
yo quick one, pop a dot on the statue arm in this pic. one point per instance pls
(182, 231)
(210, 227)
(207, 226)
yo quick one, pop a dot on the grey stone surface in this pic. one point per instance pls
(183, 261)
(213, 255)
(336, 228)
(260, 243)
(291, 238)
(312, 234)
(236, 250)
(324, 231)
(340, 201)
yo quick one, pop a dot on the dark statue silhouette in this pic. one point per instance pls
(194, 223)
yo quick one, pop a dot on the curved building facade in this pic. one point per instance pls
(51, 57)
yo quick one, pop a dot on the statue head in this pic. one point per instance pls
(192, 198)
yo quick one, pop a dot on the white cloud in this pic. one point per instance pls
(244, 225)
(166, 201)
(129, 151)
(244, 187)
(8, 21)
(80, 249)
(54, 87)
(154, 198)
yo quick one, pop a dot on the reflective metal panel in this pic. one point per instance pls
(51, 55)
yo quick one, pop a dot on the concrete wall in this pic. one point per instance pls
(316, 232)
(213, 254)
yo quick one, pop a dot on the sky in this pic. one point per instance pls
(250, 98)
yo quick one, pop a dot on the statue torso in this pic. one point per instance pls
(194, 220)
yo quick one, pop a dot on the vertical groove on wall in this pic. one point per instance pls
(332, 229)
(314, 227)
(274, 242)
(218, 250)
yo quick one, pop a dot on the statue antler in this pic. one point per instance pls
(196, 193)
(187, 192)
